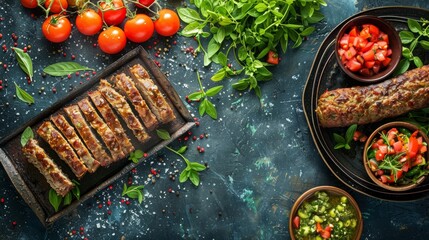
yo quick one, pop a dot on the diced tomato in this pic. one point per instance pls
(367, 47)
(386, 61)
(365, 33)
(296, 222)
(369, 64)
(354, 65)
(365, 72)
(341, 51)
(368, 55)
(360, 59)
(417, 161)
(379, 155)
(376, 67)
(382, 44)
(406, 166)
(325, 234)
(384, 37)
(392, 178)
(389, 52)
(397, 146)
(353, 32)
(413, 147)
(383, 148)
(423, 149)
(272, 58)
(380, 56)
(350, 53)
(318, 227)
(384, 178)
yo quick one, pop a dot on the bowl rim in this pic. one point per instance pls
(393, 37)
(407, 125)
(310, 192)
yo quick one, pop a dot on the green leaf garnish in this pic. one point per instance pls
(23, 95)
(64, 68)
(26, 135)
(24, 61)
(134, 192)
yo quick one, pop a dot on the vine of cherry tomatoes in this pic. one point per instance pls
(110, 14)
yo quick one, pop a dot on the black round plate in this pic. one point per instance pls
(325, 74)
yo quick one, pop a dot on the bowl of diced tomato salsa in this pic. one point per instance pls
(325, 212)
(368, 48)
(396, 156)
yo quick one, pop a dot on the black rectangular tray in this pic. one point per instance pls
(33, 187)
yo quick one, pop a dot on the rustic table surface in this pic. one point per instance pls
(261, 157)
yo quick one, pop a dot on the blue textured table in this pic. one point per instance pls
(261, 158)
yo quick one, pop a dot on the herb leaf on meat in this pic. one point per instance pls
(136, 155)
(26, 135)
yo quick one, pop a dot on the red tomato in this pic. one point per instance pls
(56, 28)
(139, 29)
(29, 3)
(354, 65)
(89, 22)
(145, 3)
(113, 12)
(168, 23)
(397, 146)
(272, 58)
(112, 40)
(413, 146)
(379, 155)
(296, 222)
(57, 5)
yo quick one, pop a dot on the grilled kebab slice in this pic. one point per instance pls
(127, 86)
(70, 134)
(123, 108)
(366, 104)
(152, 95)
(111, 120)
(87, 135)
(102, 129)
(54, 176)
(60, 145)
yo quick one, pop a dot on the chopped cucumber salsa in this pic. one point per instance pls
(325, 216)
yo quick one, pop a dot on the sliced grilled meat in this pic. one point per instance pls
(60, 145)
(54, 176)
(365, 104)
(102, 129)
(123, 108)
(152, 95)
(87, 135)
(127, 86)
(70, 134)
(111, 120)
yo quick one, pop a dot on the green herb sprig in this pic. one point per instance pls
(56, 199)
(64, 68)
(344, 142)
(24, 61)
(250, 29)
(192, 169)
(133, 192)
(417, 36)
(203, 97)
(136, 156)
(23, 95)
(26, 136)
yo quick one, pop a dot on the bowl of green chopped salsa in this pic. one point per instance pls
(325, 212)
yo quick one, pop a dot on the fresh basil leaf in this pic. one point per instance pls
(350, 132)
(55, 199)
(241, 85)
(26, 135)
(222, 58)
(76, 190)
(24, 61)
(261, 19)
(183, 176)
(189, 15)
(211, 110)
(339, 146)
(417, 61)
(406, 37)
(212, 48)
(23, 95)
(213, 91)
(406, 52)
(413, 44)
(196, 96)
(198, 166)
(124, 190)
(138, 153)
(191, 29)
(338, 138)
(242, 53)
(203, 106)
(347, 146)
(261, 7)
(140, 197)
(402, 67)
(220, 35)
(67, 199)
(414, 26)
(64, 68)
(424, 44)
(163, 134)
(132, 194)
(182, 149)
(308, 31)
(194, 177)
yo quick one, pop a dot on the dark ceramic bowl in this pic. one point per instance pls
(394, 44)
(333, 193)
(376, 134)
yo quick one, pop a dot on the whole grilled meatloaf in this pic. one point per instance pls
(366, 104)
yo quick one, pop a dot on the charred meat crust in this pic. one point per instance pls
(153, 96)
(87, 135)
(102, 129)
(111, 120)
(60, 145)
(54, 176)
(366, 104)
(70, 134)
(123, 108)
(127, 86)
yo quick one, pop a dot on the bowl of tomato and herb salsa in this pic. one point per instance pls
(325, 212)
(395, 156)
(368, 48)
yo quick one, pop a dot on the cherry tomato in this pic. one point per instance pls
(139, 29)
(272, 58)
(112, 40)
(296, 222)
(113, 12)
(89, 22)
(57, 5)
(145, 3)
(56, 28)
(168, 23)
(29, 3)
